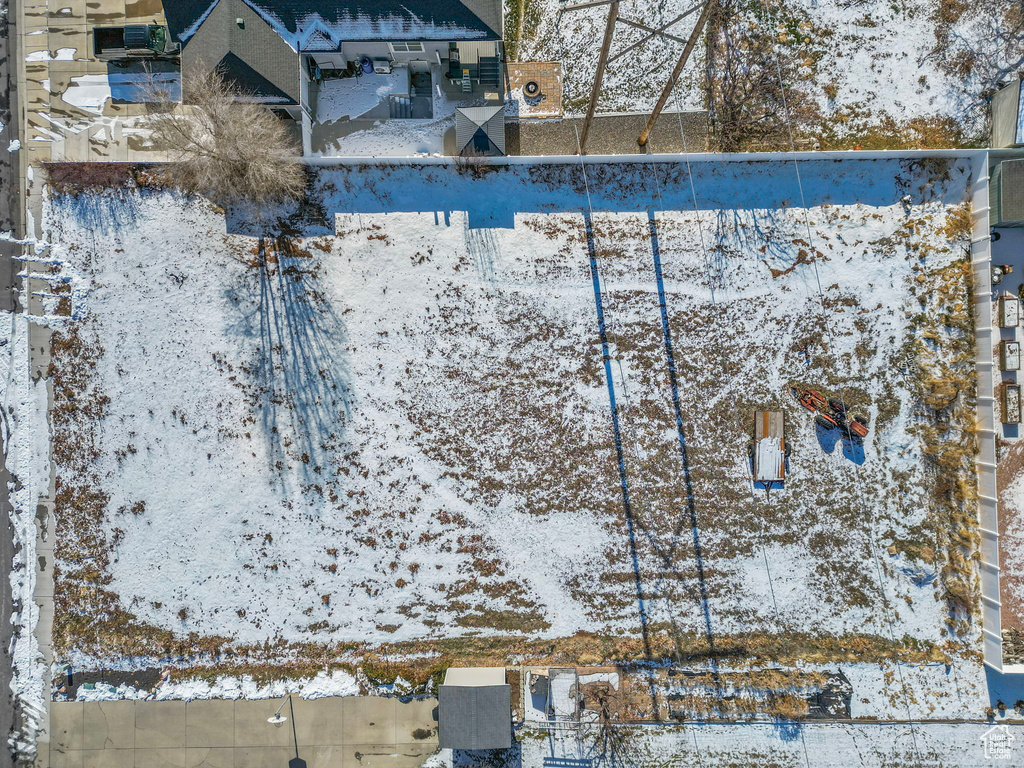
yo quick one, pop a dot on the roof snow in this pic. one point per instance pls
(307, 22)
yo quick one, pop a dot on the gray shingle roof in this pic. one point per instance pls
(474, 717)
(480, 130)
(255, 57)
(359, 19)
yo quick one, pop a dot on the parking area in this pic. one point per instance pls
(340, 732)
(77, 108)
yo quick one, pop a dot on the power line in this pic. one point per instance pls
(764, 554)
(828, 329)
(593, 242)
(668, 348)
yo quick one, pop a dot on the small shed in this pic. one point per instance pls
(474, 709)
(480, 131)
(769, 447)
(1008, 116)
(1006, 194)
(1010, 400)
(1009, 355)
(1009, 311)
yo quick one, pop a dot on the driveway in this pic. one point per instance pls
(332, 732)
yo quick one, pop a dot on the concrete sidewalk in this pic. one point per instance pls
(337, 732)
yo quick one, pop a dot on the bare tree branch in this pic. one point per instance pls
(224, 146)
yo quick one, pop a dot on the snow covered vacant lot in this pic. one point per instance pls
(884, 74)
(397, 429)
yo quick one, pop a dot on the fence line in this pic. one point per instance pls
(985, 462)
(974, 155)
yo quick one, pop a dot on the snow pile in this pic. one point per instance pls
(63, 54)
(25, 433)
(91, 93)
(393, 138)
(337, 683)
(352, 96)
(385, 137)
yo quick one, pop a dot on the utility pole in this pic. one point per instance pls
(667, 91)
(609, 31)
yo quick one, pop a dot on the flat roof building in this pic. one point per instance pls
(1008, 116)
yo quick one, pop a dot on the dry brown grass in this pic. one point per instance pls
(88, 616)
(76, 178)
(642, 343)
(949, 441)
(958, 222)
(848, 130)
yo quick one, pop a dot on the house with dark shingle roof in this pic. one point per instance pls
(474, 709)
(280, 52)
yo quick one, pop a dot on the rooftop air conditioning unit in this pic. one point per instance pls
(382, 66)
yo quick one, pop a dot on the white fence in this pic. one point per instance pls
(692, 157)
(987, 341)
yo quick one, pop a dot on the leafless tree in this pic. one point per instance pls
(222, 145)
(749, 106)
(607, 741)
(982, 59)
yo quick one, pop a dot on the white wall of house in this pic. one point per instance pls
(381, 50)
(432, 52)
(306, 116)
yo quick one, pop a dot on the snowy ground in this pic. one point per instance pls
(24, 433)
(351, 97)
(819, 745)
(379, 137)
(864, 63)
(402, 431)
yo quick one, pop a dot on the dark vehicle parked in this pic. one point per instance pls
(136, 41)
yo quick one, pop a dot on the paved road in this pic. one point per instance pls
(10, 219)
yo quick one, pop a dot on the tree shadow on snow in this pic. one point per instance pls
(787, 730)
(110, 212)
(299, 380)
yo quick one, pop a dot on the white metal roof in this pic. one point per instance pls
(474, 676)
(771, 460)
